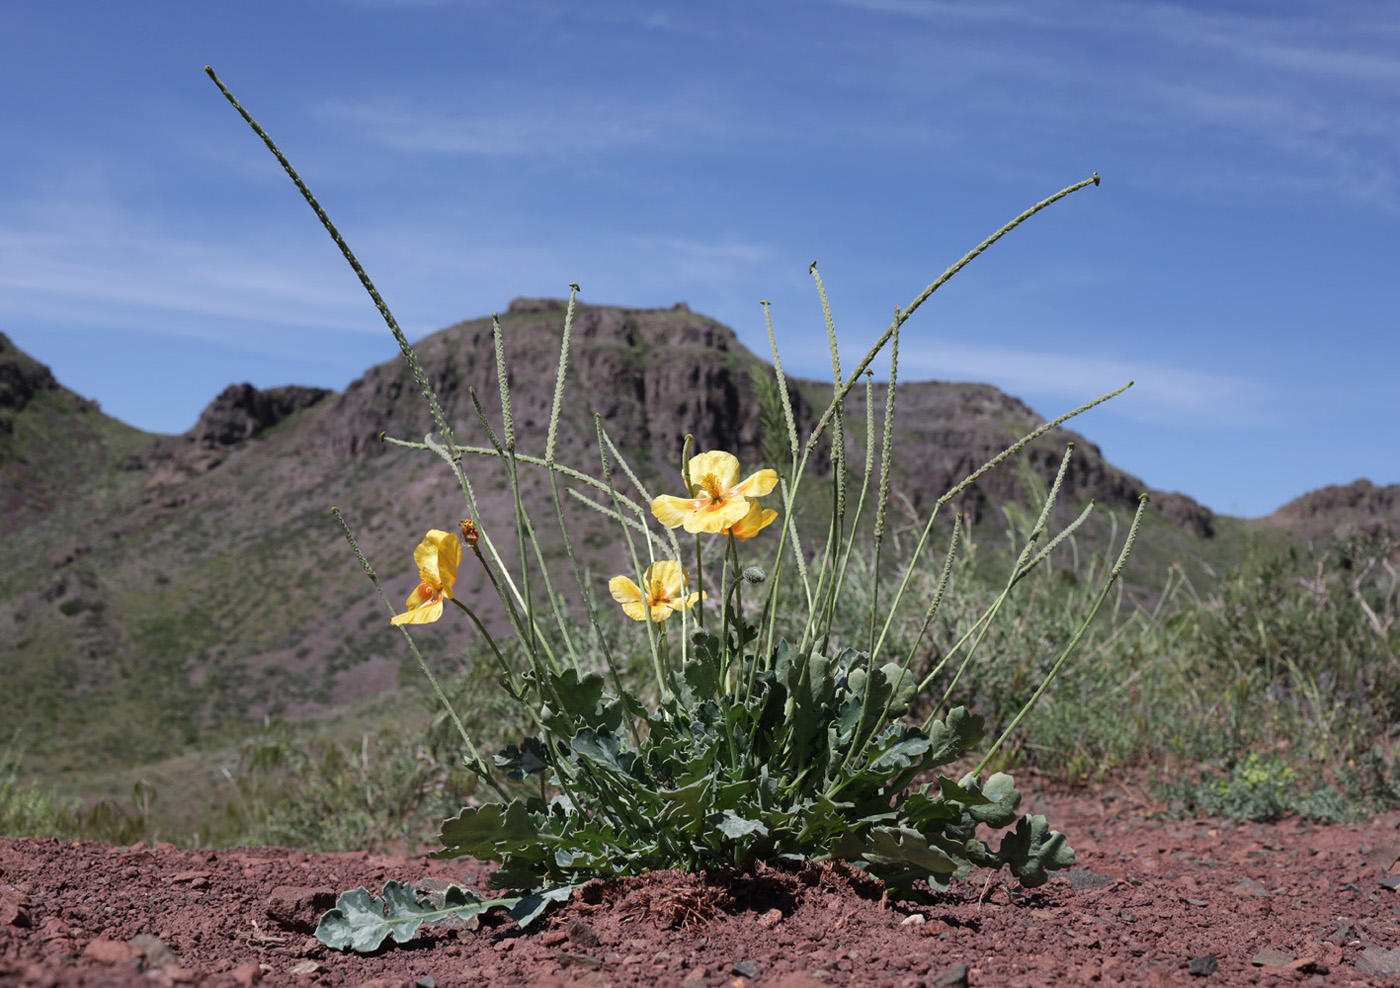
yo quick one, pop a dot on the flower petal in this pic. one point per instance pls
(670, 574)
(718, 516)
(752, 523)
(426, 614)
(755, 484)
(723, 466)
(625, 591)
(438, 557)
(672, 511)
(635, 609)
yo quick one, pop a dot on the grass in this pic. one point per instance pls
(1275, 692)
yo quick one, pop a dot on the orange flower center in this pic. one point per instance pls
(709, 484)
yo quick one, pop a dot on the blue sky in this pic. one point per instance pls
(1234, 261)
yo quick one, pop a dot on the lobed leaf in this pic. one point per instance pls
(362, 922)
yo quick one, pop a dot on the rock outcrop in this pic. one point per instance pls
(1339, 509)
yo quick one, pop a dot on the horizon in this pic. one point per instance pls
(1234, 263)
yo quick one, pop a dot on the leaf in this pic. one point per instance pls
(580, 700)
(604, 748)
(900, 747)
(487, 832)
(896, 855)
(1035, 849)
(810, 695)
(362, 922)
(732, 825)
(531, 758)
(529, 908)
(1002, 797)
(951, 737)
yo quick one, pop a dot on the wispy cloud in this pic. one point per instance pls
(54, 266)
(1305, 101)
(1160, 393)
(558, 126)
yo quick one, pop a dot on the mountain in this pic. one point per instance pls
(161, 589)
(1337, 510)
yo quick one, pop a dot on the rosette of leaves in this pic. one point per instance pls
(807, 760)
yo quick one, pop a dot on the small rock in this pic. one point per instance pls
(953, 977)
(1383, 855)
(696, 976)
(426, 981)
(1375, 960)
(567, 959)
(14, 910)
(1269, 957)
(1083, 878)
(1392, 883)
(582, 934)
(1203, 967)
(298, 908)
(1249, 886)
(106, 951)
(156, 952)
(914, 919)
(746, 969)
(183, 975)
(247, 974)
(770, 919)
(305, 967)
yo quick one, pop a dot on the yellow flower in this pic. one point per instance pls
(437, 556)
(758, 518)
(719, 500)
(665, 592)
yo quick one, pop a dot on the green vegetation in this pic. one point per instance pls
(1175, 688)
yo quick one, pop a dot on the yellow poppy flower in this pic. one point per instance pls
(438, 557)
(665, 592)
(758, 518)
(718, 499)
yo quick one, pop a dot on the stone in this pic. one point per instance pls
(1203, 966)
(1377, 960)
(14, 910)
(157, 954)
(953, 977)
(106, 951)
(298, 907)
(1268, 957)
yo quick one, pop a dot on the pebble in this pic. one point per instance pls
(1376, 960)
(953, 977)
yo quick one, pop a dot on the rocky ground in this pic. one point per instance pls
(1152, 901)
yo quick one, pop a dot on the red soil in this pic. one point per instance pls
(1154, 902)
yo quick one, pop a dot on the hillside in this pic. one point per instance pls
(160, 591)
(1338, 509)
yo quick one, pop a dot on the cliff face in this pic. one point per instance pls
(1339, 509)
(654, 376)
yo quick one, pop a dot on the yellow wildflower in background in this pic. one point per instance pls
(665, 592)
(718, 499)
(757, 519)
(438, 557)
